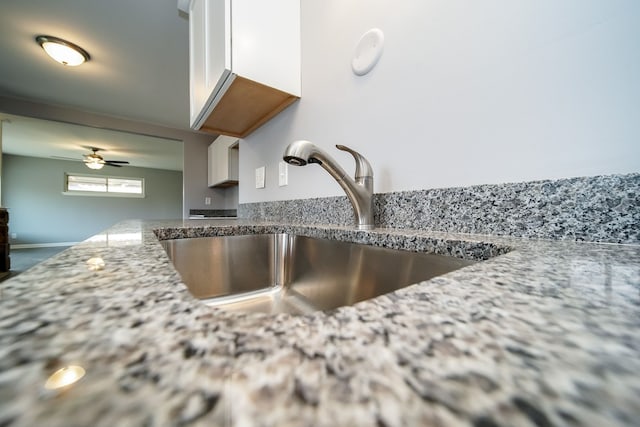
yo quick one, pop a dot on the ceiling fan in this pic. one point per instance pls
(96, 161)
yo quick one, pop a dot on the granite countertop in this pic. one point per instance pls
(543, 333)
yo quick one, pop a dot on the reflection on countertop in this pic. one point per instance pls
(540, 333)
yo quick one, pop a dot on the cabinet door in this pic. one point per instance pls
(209, 52)
(211, 172)
(223, 162)
(266, 43)
(218, 42)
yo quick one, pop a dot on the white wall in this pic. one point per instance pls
(195, 145)
(466, 92)
(196, 181)
(40, 214)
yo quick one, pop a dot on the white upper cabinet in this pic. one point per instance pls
(244, 58)
(209, 52)
(223, 162)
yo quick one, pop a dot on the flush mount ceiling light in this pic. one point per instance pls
(63, 51)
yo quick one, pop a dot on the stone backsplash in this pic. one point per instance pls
(595, 209)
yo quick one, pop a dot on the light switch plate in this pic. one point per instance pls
(283, 174)
(260, 177)
(207, 200)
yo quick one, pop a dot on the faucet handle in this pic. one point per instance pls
(363, 168)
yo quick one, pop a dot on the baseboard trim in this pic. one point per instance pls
(42, 245)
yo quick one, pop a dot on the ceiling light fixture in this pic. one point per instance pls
(94, 161)
(63, 51)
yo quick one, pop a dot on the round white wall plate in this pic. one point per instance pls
(368, 51)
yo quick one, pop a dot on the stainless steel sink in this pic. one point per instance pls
(283, 273)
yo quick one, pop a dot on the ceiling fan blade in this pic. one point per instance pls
(65, 158)
(117, 161)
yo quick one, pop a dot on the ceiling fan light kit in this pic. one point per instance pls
(62, 51)
(93, 161)
(96, 161)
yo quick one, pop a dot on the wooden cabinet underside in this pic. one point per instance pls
(244, 107)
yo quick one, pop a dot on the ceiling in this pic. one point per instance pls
(139, 57)
(138, 71)
(25, 136)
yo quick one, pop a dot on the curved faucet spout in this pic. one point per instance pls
(359, 190)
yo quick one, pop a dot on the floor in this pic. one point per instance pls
(23, 259)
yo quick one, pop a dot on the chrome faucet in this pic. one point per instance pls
(359, 190)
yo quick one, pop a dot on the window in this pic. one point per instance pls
(92, 185)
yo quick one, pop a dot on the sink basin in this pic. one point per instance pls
(284, 273)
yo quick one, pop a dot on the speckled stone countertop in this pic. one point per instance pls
(544, 333)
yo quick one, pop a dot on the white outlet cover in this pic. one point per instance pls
(260, 172)
(283, 174)
(368, 52)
